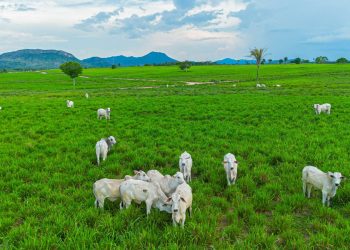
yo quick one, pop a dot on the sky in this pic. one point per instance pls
(202, 30)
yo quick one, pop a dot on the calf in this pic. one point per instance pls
(167, 183)
(181, 200)
(185, 164)
(230, 165)
(109, 188)
(328, 183)
(103, 146)
(149, 192)
(106, 113)
(325, 108)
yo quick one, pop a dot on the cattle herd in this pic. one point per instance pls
(173, 194)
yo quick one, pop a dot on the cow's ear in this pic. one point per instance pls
(169, 199)
(136, 172)
(183, 200)
(343, 177)
(330, 174)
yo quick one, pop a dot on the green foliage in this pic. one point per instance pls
(280, 61)
(113, 66)
(321, 59)
(72, 69)
(48, 170)
(186, 65)
(297, 60)
(342, 60)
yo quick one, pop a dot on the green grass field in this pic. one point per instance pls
(48, 163)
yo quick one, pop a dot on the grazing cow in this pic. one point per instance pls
(109, 188)
(181, 200)
(106, 113)
(103, 146)
(258, 85)
(167, 183)
(325, 108)
(138, 191)
(230, 165)
(70, 104)
(185, 164)
(328, 183)
(86, 95)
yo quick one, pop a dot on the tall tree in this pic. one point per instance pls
(72, 69)
(185, 65)
(258, 55)
(321, 59)
(342, 60)
(285, 60)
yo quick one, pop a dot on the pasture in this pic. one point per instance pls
(48, 162)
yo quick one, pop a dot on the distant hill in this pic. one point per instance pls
(235, 62)
(230, 61)
(35, 59)
(150, 58)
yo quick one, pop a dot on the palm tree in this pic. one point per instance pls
(259, 55)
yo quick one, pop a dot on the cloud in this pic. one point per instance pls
(16, 7)
(165, 16)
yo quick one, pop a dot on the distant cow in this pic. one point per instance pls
(70, 104)
(328, 183)
(325, 108)
(230, 165)
(109, 188)
(103, 146)
(86, 95)
(181, 200)
(167, 183)
(106, 113)
(185, 164)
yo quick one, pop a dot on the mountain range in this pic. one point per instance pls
(33, 59)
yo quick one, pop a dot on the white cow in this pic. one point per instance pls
(325, 108)
(185, 164)
(181, 200)
(328, 183)
(70, 104)
(260, 85)
(103, 146)
(138, 191)
(230, 165)
(106, 113)
(109, 188)
(167, 183)
(86, 95)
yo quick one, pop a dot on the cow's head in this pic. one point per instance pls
(141, 175)
(336, 178)
(179, 177)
